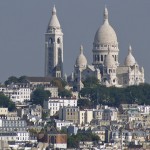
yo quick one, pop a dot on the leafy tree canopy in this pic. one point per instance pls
(65, 93)
(91, 82)
(73, 140)
(115, 96)
(39, 95)
(84, 103)
(6, 102)
(13, 79)
(61, 87)
(58, 82)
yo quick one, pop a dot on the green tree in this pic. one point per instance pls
(39, 95)
(91, 82)
(73, 140)
(113, 96)
(65, 93)
(84, 103)
(11, 79)
(6, 102)
(58, 82)
(22, 79)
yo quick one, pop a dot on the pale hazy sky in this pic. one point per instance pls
(24, 22)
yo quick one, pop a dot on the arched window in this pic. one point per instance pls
(59, 56)
(58, 40)
(50, 40)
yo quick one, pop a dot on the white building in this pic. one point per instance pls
(144, 109)
(53, 104)
(61, 123)
(23, 136)
(18, 128)
(105, 66)
(8, 136)
(12, 125)
(53, 90)
(17, 93)
(85, 116)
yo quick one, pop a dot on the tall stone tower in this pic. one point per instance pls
(54, 47)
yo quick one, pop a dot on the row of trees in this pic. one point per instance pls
(97, 94)
(14, 79)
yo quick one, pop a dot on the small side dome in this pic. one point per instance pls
(105, 34)
(81, 60)
(109, 60)
(129, 60)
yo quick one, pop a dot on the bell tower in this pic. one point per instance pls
(54, 47)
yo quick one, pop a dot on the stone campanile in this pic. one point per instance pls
(54, 47)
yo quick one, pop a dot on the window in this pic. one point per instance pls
(97, 57)
(59, 56)
(50, 40)
(58, 41)
(101, 57)
(115, 58)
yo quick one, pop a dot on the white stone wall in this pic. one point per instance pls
(55, 103)
(53, 91)
(60, 124)
(17, 94)
(23, 136)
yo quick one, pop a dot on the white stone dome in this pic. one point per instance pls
(81, 60)
(109, 60)
(54, 22)
(129, 60)
(105, 34)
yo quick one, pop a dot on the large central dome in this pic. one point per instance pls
(105, 34)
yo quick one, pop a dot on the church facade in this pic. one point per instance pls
(105, 66)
